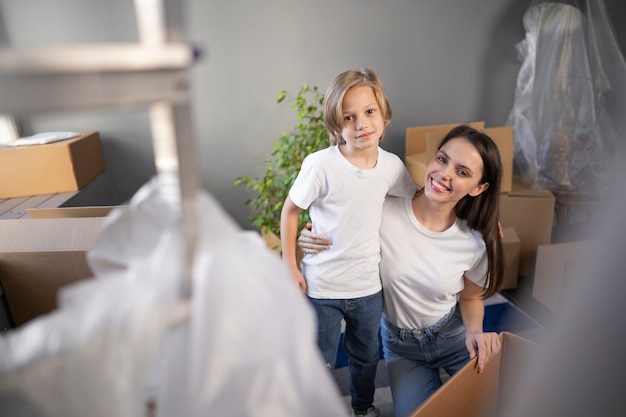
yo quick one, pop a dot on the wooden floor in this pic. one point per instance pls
(15, 208)
(101, 191)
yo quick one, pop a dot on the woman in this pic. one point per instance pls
(440, 257)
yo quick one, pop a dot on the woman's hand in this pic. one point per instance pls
(312, 243)
(483, 345)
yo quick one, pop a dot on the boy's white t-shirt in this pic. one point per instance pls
(422, 271)
(345, 204)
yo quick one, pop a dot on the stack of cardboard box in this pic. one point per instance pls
(526, 214)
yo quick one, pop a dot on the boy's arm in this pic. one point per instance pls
(288, 232)
(404, 185)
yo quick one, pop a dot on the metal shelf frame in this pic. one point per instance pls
(152, 73)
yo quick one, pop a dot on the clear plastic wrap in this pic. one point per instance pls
(92, 355)
(570, 91)
(243, 345)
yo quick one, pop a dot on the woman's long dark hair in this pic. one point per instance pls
(482, 212)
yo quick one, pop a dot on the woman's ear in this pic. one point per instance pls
(479, 189)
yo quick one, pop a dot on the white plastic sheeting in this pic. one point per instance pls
(243, 345)
(570, 91)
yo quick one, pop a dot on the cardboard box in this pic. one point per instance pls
(511, 247)
(416, 165)
(470, 394)
(502, 136)
(63, 166)
(415, 140)
(558, 266)
(531, 213)
(38, 257)
(69, 212)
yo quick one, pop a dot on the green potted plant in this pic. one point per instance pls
(308, 135)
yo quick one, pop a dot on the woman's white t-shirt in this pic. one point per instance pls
(422, 271)
(345, 204)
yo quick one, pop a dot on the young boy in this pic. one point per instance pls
(344, 187)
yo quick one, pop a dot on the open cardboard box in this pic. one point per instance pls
(63, 166)
(40, 256)
(69, 212)
(470, 394)
(557, 268)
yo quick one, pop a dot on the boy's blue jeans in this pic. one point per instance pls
(362, 316)
(414, 358)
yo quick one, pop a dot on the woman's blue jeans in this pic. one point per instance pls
(362, 316)
(414, 358)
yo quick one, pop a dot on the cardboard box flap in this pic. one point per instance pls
(40, 256)
(517, 354)
(466, 394)
(416, 165)
(416, 136)
(556, 269)
(433, 140)
(502, 136)
(31, 285)
(470, 394)
(69, 212)
(48, 235)
(418, 158)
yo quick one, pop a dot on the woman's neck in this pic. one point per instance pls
(433, 216)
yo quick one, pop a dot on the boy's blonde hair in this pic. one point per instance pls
(333, 100)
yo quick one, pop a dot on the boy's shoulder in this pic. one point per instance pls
(322, 153)
(387, 157)
(383, 153)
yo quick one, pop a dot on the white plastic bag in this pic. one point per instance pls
(251, 347)
(91, 355)
(570, 91)
(245, 347)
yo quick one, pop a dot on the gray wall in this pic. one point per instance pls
(441, 61)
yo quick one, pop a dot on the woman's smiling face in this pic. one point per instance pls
(454, 172)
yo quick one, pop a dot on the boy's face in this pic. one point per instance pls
(363, 122)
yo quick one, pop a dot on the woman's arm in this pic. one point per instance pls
(478, 343)
(312, 243)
